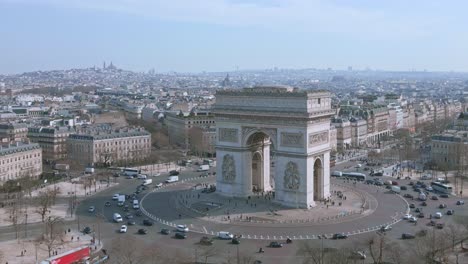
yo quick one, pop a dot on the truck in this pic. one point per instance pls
(396, 189)
(89, 170)
(172, 179)
(121, 200)
(147, 182)
(62, 166)
(204, 168)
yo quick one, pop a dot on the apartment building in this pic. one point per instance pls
(19, 160)
(12, 132)
(53, 141)
(109, 147)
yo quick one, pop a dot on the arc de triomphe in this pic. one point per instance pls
(274, 138)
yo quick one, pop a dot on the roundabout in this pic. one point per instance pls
(353, 209)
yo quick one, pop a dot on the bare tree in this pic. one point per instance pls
(53, 234)
(44, 200)
(432, 247)
(127, 250)
(207, 252)
(376, 247)
(16, 215)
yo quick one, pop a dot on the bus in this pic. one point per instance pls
(440, 187)
(131, 172)
(355, 175)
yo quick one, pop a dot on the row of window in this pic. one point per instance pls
(24, 157)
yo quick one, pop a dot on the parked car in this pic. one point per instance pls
(460, 202)
(87, 230)
(142, 231)
(339, 236)
(147, 222)
(407, 236)
(123, 229)
(182, 228)
(180, 235)
(450, 212)
(91, 209)
(403, 188)
(165, 231)
(275, 244)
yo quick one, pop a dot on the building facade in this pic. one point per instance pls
(112, 147)
(13, 131)
(20, 160)
(53, 141)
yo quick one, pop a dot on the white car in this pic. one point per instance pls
(159, 185)
(413, 219)
(407, 216)
(182, 228)
(115, 197)
(429, 189)
(123, 229)
(438, 215)
(358, 166)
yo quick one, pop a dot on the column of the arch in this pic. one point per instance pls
(266, 167)
(326, 175)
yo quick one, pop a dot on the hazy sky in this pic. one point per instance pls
(218, 35)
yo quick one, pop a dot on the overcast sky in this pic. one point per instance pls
(220, 35)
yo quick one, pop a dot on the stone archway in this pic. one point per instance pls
(250, 122)
(318, 180)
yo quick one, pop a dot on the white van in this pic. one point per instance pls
(225, 235)
(117, 218)
(136, 205)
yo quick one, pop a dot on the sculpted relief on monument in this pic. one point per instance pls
(292, 180)
(228, 134)
(229, 168)
(318, 138)
(294, 140)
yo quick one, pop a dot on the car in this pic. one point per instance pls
(418, 210)
(206, 241)
(444, 195)
(407, 216)
(411, 183)
(173, 173)
(358, 255)
(123, 229)
(87, 230)
(159, 185)
(235, 241)
(339, 236)
(442, 206)
(438, 215)
(180, 235)
(407, 195)
(129, 216)
(107, 204)
(388, 187)
(165, 231)
(403, 188)
(131, 222)
(412, 205)
(394, 183)
(417, 189)
(369, 182)
(435, 198)
(429, 189)
(431, 223)
(421, 215)
(91, 209)
(138, 213)
(142, 231)
(424, 204)
(385, 228)
(460, 202)
(413, 219)
(275, 244)
(182, 228)
(379, 183)
(147, 222)
(450, 212)
(407, 236)
(115, 197)
(440, 225)
(358, 166)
